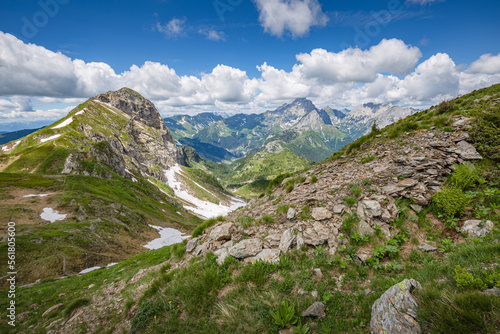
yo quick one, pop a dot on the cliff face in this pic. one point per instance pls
(129, 133)
(151, 143)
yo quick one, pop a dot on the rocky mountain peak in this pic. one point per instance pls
(133, 104)
(298, 104)
(314, 120)
(334, 112)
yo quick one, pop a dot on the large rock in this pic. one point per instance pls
(394, 311)
(492, 292)
(316, 310)
(362, 257)
(371, 208)
(473, 228)
(290, 213)
(466, 151)
(286, 240)
(317, 235)
(222, 232)
(246, 248)
(321, 213)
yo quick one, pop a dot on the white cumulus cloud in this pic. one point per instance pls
(295, 16)
(354, 64)
(390, 71)
(487, 64)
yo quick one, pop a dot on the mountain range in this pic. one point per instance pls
(298, 127)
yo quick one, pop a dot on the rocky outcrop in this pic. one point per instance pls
(136, 106)
(143, 143)
(222, 232)
(414, 169)
(394, 311)
(246, 248)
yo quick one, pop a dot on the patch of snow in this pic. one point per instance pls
(52, 215)
(88, 270)
(134, 179)
(204, 209)
(63, 124)
(6, 148)
(111, 264)
(80, 112)
(34, 195)
(168, 236)
(49, 138)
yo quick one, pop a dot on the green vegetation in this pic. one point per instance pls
(285, 315)
(114, 208)
(254, 174)
(451, 199)
(206, 224)
(368, 159)
(283, 209)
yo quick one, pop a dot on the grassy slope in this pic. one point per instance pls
(238, 298)
(107, 221)
(107, 217)
(252, 174)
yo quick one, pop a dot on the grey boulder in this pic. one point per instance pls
(394, 311)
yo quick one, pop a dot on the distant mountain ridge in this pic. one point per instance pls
(299, 127)
(6, 136)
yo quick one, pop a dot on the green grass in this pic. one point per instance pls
(368, 159)
(206, 224)
(114, 209)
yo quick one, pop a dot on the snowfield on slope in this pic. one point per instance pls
(68, 121)
(168, 236)
(204, 209)
(49, 138)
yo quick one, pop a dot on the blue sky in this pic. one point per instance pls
(242, 55)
